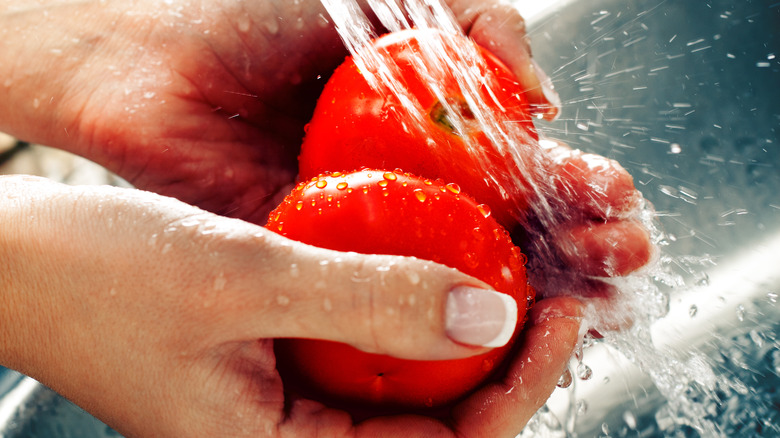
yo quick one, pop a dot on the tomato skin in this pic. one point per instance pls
(381, 212)
(354, 126)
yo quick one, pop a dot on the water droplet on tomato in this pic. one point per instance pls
(484, 209)
(330, 198)
(365, 189)
(420, 195)
(336, 174)
(321, 184)
(454, 188)
(280, 226)
(471, 260)
(506, 273)
(299, 205)
(390, 176)
(342, 185)
(383, 183)
(428, 182)
(478, 234)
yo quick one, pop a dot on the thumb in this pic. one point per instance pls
(399, 306)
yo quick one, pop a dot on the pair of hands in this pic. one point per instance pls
(159, 317)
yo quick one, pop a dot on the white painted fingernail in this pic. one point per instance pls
(553, 106)
(480, 317)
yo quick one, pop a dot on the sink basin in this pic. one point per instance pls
(685, 95)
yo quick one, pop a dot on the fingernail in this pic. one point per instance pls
(551, 109)
(480, 317)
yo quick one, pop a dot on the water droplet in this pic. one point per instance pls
(471, 260)
(693, 310)
(294, 270)
(741, 313)
(149, 94)
(321, 184)
(365, 190)
(220, 281)
(484, 209)
(565, 380)
(299, 205)
(152, 240)
(454, 188)
(414, 279)
(582, 407)
(584, 372)
(272, 26)
(772, 296)
(420, 195)
(383, 183)
(342, 185)
(390, 176)
(675, 148)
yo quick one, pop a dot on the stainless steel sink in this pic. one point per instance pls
(685, 94)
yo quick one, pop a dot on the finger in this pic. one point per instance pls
(599, 188)
(500, 28)
(404, 307)
(503, 408)
(605, 249)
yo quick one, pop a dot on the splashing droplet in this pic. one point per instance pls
(565, 380)
(584, 372)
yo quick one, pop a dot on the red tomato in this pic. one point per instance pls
(354, 126)
(380, 212)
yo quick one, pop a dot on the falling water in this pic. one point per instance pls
(694, 395)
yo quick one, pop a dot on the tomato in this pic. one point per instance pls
(381, 212)
(355, 126)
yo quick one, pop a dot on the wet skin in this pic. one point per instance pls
(206, 102)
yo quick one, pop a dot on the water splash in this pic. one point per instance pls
(686, 379)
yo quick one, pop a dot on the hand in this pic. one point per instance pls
(158, 318)
(203, 101)
(207, 104)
